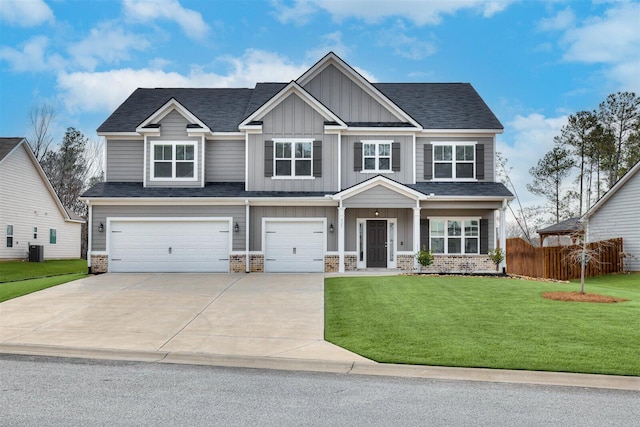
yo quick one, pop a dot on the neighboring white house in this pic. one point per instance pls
(30, 211)
(616, 215)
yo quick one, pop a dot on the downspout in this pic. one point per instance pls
(89, 234)
(247, 267)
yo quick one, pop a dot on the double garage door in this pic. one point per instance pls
(294, 246)
(169, 246)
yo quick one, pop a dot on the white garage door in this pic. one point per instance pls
(294, 246)
(168, 246)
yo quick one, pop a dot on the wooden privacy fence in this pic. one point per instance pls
(562, 262)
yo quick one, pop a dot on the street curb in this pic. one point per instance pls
(339, 367)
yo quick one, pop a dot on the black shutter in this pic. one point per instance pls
(268, 158)
(395, 157)
(317, 158)
(428, 161)
(484, 236)
(357, 156)
(424, 234)
(480, 162)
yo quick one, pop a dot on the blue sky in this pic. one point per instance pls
(534, 62)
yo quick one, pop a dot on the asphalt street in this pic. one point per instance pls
(36, 391)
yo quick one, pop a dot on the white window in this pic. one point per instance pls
(35, 233)
(454, 160)
(293, 158)
(454, 236)
(376, 156)
(9, 236)
(173, 160)
(53, 236)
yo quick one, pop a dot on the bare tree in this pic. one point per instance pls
(40, 118)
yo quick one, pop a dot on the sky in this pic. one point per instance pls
(533, 62)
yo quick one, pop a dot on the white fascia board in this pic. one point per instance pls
(119, 135)
(619, 184)
(169, 106)
(24, 145)
(332, 58)
(251, 128)
(470, 198)
(447, 132)
(210, 201)
(292, 87)
(383, 181)
(379, 131)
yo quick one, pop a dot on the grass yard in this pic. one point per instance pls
(486, 322)
(19, 270)
(23, 287)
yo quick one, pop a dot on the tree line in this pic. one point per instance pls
(594, 149)
(72, 166)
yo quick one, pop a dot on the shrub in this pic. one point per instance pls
(424, 257)
(496, 256)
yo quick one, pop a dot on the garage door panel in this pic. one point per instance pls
(294, 246)
(169, 246)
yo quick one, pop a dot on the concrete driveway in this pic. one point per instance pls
(266, 315)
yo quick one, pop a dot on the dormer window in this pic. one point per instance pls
(173, 161)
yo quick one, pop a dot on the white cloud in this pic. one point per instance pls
(331, 42)
(407, 46)
(417, 11)
(612, 40)
(526, 140)
(106, 43)
(189, 20)
(109, 88)
(25, 13)
(32, 57)
(561, 21)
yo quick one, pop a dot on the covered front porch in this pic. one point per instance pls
(383, 224)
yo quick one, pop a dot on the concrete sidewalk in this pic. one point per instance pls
(273, 321)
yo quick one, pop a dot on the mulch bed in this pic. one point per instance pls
(578, 297)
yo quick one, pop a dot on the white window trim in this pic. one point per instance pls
(12, 235)
(377, 143)
(446, 232)
(173, 160)
(453, 162)
(293, 168)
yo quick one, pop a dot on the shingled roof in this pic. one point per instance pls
(433, 105)
(8, 144)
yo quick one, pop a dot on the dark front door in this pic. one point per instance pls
(377, 243)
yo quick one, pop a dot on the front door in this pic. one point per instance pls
(377, 243)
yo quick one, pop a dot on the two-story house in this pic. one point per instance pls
(329, 172)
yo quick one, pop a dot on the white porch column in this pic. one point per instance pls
(416, 233)
(503, 237)
(341, 239)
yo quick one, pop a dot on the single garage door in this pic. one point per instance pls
(294, 246)
(169, 246)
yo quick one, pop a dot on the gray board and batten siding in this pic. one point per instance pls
(379, 196)
(488, 154)
(173, 127)
(293, 118)
(100, 214)
(404, 225)
(257, 213)
(346, 98)
(351, 176)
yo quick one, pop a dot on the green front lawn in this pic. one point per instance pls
(20, 270)
(485, 322)
(23, 287)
